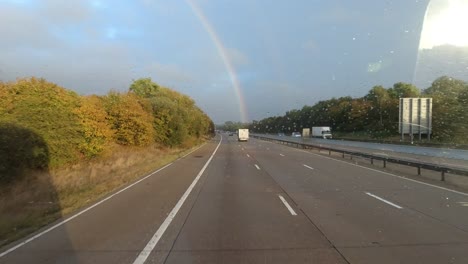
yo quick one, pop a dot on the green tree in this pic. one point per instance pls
(144, 87)
(358, 116)
(379, 98)
(449, 109)
(403, 90)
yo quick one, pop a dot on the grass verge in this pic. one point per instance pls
(45, 196)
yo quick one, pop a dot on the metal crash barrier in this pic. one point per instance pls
(417, 164)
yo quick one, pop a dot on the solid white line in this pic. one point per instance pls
(256, 166)
(248, 156)
(383, 200)
(389, 174)
(287, 205)
(78, 214)
(91, 207)
(308, 167)
(281, 155)
(160, 232)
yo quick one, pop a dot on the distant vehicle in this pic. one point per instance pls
(296, 134)
(323, 132)
(243, 134)
(280, 134)
(231, 133)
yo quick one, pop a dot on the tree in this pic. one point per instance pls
(446, 87)
(358, 115)
(448, 108)
(144, 87)
(96, 131)
(132, 124)
(48, 110)
(379, 98)
(403, 90)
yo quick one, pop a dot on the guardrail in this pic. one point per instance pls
(417, 164)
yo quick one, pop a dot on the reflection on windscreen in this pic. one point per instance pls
(443, 48)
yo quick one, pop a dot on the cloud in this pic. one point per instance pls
(167, 74)
(281, 97)
(236, 57)
(226, 106)
(162, 7)
(337, 13)
(65, 12)
(310, 46)
(25, 29)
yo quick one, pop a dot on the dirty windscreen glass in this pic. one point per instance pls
(94, 87)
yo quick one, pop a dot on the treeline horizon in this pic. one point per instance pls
(72, 128)
(376, 113)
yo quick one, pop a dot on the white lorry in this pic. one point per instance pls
(243, 134)
(323, 132)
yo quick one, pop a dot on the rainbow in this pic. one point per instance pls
(224, 57)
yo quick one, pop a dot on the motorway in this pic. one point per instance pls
(260, 202)
(457, 158)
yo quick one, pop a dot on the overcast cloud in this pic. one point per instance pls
(285, 53)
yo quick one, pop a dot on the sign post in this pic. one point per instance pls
(415, 117)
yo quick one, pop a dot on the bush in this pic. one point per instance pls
(96, 131)
(48, 110)
(132, 123)
(20, 149)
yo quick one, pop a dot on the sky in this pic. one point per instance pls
(240, 60)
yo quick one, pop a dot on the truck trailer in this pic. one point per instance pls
(322, 132)
(243, 134)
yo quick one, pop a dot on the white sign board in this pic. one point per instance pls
(415, 116)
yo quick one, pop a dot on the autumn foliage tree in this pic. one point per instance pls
(75, 127)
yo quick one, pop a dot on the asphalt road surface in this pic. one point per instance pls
(260, 202)
(457, 158)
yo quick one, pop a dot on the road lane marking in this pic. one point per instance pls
(387, 173)
(308, 167)
(463, 203)
(91, 207)
(281, 155)
(287, 205)
(144, 254)
(256, 166)
(78, 214)
(248, 156)
(242, 148)
(383, 200)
